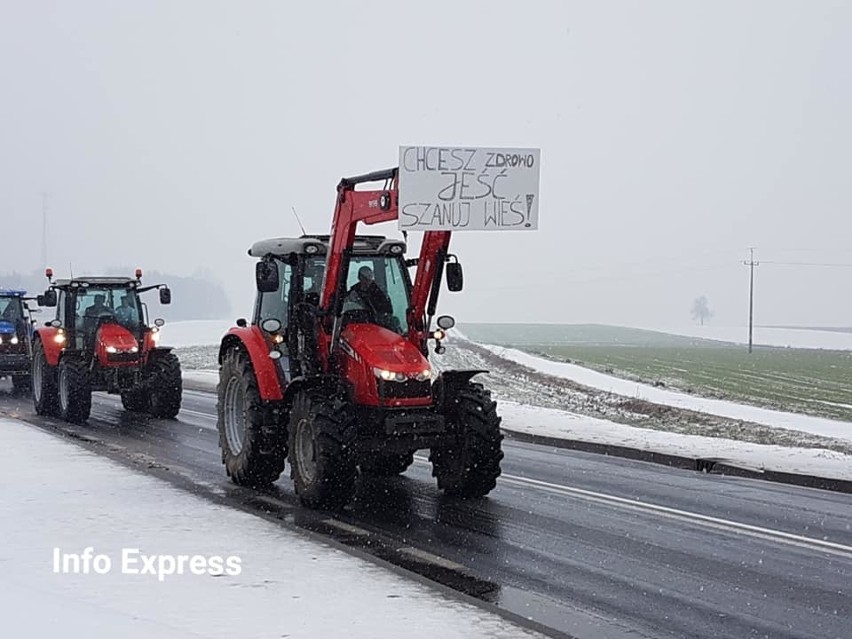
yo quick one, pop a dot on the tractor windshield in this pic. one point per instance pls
(378, 286)
(119, 304)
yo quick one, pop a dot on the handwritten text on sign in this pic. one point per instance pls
(468, 189)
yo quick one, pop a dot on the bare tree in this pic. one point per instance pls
(701, 309)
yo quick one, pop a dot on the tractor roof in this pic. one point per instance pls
(318, 245)
(12, 292)
(106, 282)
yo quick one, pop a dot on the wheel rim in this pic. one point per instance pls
(235, 415)
(306, 451)
(38, 373)
(63, 389)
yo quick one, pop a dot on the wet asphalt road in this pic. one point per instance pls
(582, 544)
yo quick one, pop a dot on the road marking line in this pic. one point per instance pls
(683, 515)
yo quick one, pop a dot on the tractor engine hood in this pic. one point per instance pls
(115, 343)
(6, 327)
(381, 348)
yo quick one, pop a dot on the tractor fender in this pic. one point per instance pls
(328, 383)
(52, 348)
(251, 339)
(448, 383)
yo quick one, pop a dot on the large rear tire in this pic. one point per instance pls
(166, 386)
(45, 394)
(75, 392)
(387, 465)
(322, 460)
(468, 466)
(254, 452)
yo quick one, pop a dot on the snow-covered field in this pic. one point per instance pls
(194, 332)
(601, 381)
(57, 495)
(783, 337)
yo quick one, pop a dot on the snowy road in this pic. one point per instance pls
(584, 544)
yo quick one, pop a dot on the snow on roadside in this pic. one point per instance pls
(194, 332)
(534, 420)
(288, 585)
(601, 381)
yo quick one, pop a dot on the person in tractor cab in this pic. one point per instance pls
(125, 314)
(10, 313)
(98, 308)
(371, 293)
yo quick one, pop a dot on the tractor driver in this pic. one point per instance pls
(370, 293)
(126, 314)
(98, 308)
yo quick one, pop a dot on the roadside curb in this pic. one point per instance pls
(700, 464)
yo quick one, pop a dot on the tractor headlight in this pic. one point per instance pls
(134, 349)
(59, 338)
(1, 340)
(438, 334)
(14, 339)
(111, 349)
(389, 376)
(424, 375)
(155, 336)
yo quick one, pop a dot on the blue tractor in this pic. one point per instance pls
(16, 330)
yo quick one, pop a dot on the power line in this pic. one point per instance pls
(830, 264)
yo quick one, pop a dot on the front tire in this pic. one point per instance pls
(254, 453)
(322, 460)
(45, 393)
(75, 393)
(166, 386)
(469, 465)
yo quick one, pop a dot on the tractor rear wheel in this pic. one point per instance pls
(387, 465)
(75, 392)
(45, 396)
(322, 460)
(254, 453)
(468, 465)
(166, 386)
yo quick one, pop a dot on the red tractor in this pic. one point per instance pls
(334, 372)
(101, 340)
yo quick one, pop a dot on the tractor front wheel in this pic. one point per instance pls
(322, 461)
(166, 386)
(45, 395)
(254, 453)
(75, 393)
(468, 465)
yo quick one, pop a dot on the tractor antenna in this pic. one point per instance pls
(71, 268)
(304, 232)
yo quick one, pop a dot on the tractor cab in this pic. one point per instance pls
(15, 337)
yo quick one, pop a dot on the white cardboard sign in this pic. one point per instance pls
(468, 189)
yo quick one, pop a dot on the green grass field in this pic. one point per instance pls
(815, 382)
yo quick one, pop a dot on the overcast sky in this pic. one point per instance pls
(673, 136)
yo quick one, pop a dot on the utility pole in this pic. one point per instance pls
(751, 264)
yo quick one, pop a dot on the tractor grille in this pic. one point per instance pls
(122, 357)
(406, 389)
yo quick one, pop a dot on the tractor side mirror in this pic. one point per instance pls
(455, 277)
(266, 276)
(165, 295)
(48, 299)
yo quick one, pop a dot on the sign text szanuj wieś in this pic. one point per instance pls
(468, 189)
